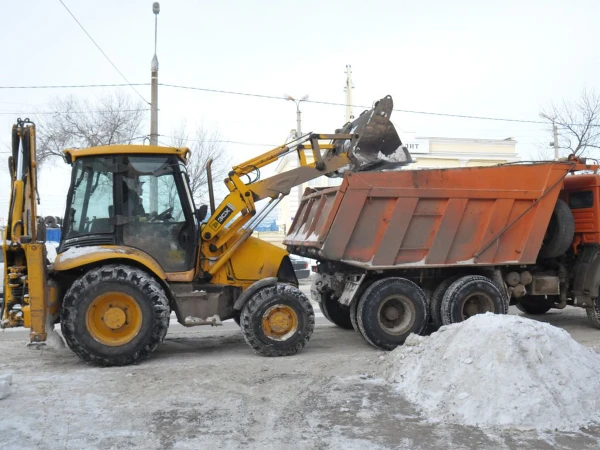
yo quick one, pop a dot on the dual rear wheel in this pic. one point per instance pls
(390, 309)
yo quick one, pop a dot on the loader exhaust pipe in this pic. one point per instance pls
(209, 181)
(376, 145)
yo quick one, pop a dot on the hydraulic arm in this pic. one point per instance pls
(368, 143)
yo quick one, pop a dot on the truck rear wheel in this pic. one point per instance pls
(277, 320)
(533, 305)
(353, 311)
(390, 310)
(594, 314)
(435, 303)
(335, 312)
(115, 315)
(471, 295)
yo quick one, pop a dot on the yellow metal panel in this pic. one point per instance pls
(183, 152)
(256, 259)
(82, 256)
(38, 292)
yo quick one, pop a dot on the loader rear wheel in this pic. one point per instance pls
(277, 320)
(115, 315)
(536, 304)
(390, 310)
(335, 312)
(435, 303)
(471, 295)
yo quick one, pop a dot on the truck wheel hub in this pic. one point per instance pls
(396, 315)
(279, 322)
(477, 304)
(392, 313)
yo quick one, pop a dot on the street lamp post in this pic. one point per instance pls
(298, 113)
(154, 108)
(298, 135)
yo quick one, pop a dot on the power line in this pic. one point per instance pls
(274, 97)
(220, 141)
(102, 51)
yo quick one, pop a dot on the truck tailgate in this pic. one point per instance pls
(430, 218)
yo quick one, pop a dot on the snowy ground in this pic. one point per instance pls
(205, 389)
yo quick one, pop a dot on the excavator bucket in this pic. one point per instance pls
(377, 145)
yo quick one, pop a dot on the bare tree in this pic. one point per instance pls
(113, 119)
(204, 145)
(578, 123)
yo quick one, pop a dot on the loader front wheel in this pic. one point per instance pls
(390, 310)
(115, 315)
(277, 320)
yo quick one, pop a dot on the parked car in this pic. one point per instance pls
(301, 267)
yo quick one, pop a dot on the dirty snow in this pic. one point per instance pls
(205, 388)
(53, 339)
(501, 372)
(5, 385)
(76, 252)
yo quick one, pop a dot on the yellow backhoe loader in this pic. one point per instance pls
(134, 247)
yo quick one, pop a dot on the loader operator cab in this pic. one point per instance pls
(139, 201)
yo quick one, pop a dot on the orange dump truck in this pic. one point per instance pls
(403, 249)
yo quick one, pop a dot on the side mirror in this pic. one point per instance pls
(201, 212)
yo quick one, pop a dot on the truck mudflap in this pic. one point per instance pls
(586, 284)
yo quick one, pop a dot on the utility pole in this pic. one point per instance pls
(154, 109)
(348, 89)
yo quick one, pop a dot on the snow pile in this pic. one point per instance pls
(5, 383)
(500, 371)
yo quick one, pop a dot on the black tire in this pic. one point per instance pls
(536, 304)
(335, 312)
(390, 310)
(435, 303)
(142, 288)
(267, 299)
(470, 295)
(594, 314)
(353, 311)
(560, 232)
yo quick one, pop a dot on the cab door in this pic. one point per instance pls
(155, 213)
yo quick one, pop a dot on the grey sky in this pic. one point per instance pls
(500, 59)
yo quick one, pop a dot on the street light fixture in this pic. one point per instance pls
(298, 113)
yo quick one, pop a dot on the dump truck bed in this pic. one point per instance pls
(430, 218)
